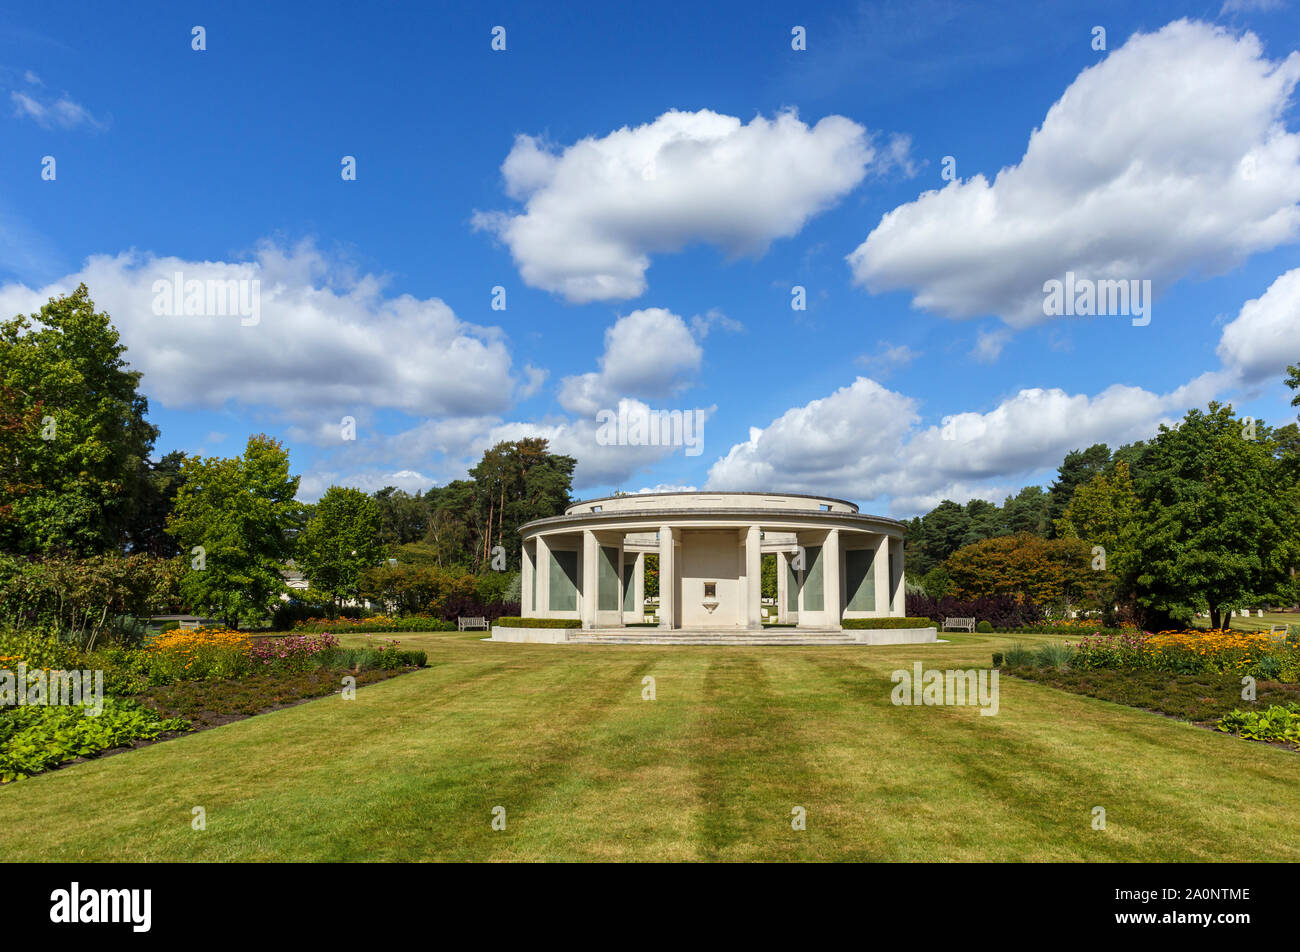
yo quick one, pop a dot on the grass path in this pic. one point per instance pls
(710, 770)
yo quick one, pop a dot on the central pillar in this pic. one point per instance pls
(667, 572)
(897, 601)
(542, 608)
(638, 589)
(526, 570)
(590, 553)
(831, 578)
(880, 569)
(753, 579)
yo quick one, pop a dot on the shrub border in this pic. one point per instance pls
(514, 621)
(869, 624)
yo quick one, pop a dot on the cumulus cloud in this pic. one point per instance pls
(594, 212)
(1168, 158)
(649, 354)
(1265, 336)
(321, 346)
(866, 442)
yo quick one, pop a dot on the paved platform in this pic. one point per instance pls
(713, 636)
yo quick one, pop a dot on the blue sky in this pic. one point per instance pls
(655, 264)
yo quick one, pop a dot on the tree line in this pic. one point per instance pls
(79, 481)
(1202, 518)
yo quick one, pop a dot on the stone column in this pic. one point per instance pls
(897, 604)
(526, 607)
(831, 578)
(543, 568)
(753, 579)
(880, 568)
(667, 572)
(590, 553)
(622, 595)
(782, 592)
(638, 588)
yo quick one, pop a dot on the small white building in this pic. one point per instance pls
(833, 562)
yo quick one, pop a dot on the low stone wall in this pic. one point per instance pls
(894, 636)
(537, 636)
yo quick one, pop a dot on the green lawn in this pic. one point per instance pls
(1254, 622)
(587, 770)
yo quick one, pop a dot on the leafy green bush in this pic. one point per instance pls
(984, 628)
(1276, 723)
(36, 738)
(38, 648)
(514, 621)
(858, 624)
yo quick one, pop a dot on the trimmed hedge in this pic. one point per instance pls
(378, 624)
(514, 621)
(874, 623)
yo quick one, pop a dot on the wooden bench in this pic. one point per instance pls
(1277, 632)
(472, 623)
(966, 623)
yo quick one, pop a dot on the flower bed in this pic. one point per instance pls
(210, 675)
(292, 652)
(196, 654)
(1192, 652)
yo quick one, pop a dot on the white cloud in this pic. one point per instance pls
(649, 354)
(594, 212)
(313, 484)
(989, 344)
(317, 351)
(1250, 6)
(1265, 336)
(701, 324)
(888, 357)
(52, 113)
(1170, 157)
(866, 442)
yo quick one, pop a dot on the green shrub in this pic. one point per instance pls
(1276, 723)
(857, 624)
(513, 621)
(984, 628)
(36, 738)
(38, 648)
(379, 623)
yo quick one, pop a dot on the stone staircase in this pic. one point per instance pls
(718, 636)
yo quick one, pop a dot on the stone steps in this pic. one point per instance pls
(652, 637)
